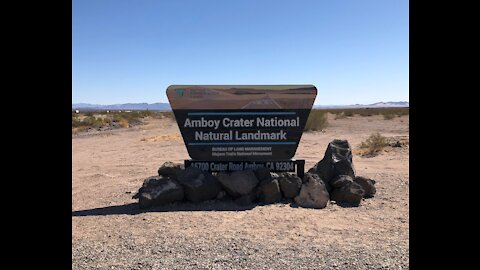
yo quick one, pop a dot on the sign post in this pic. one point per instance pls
(231, 127)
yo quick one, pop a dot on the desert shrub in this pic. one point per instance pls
(388, 116)
(340, 116)
(164, 115)
(146, 113)
(348, 113)
(133, 117)
(374, 144)
(317, 120)
(366, 112)
(116, 118)
(123, 122)
(92, 121)
(76, 122)
(168, 115)
(402, 111)
(123, 118)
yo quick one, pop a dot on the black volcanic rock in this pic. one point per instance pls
(269, 191)
(350, 194)
(171, 169)
(336, 161)
(367, 184)
(238, 183)
(159, 190)
(313, 193)
(290, 184)
(198, 185)
(340, 180)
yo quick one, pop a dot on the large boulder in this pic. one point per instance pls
(350, 194)
(198, 185)
(340, 181)
(159, 190)
(313, 193)
(269, 191)
(290, 184)
(262, 174)
(238, 183)
(367, 184)
(336, 161)
(171, 169)
(247, 199)
(222, 195)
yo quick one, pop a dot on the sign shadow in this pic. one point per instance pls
(134, 209)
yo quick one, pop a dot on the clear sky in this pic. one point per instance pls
(131, 50)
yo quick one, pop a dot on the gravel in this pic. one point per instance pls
(164, 252)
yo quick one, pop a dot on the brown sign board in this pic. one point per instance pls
(241, 122)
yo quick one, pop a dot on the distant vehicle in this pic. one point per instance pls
(77, 111)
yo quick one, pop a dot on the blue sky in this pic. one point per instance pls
(131, 51)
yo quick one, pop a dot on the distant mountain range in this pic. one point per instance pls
(382, 104)
(127, 106)
(166, 106)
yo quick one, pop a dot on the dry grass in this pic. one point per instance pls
(124, 123)
(374, 144)
(388, 116)
(76, 130)
(125, 119)
(162, 115)
(340, 116)
(348, 113)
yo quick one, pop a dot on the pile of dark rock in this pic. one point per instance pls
(332, 178)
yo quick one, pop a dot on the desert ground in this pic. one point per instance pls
(110, 232)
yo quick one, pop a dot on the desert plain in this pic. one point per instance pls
(109, 231)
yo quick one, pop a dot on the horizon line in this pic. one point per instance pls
(336, 104)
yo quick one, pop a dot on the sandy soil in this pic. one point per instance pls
(109, 231)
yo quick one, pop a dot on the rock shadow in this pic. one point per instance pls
(134, 208)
